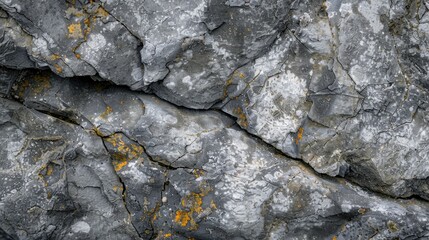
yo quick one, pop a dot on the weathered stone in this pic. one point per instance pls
(78, 39)
(217, 183)
(44, 195)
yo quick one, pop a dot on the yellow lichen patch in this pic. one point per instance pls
(242, 119)
(119, 161)
(167, 235)
(392, 226)
(75, 30)
(154, 217)
(58, 68)
(182, 217)
(116, 188)
(334, 238)
(193, 207)
(106, 112)
(55, 57)
(299, 135)
(125, 152)
(118, 165)
(45, 171)
(49, 170)
(115, 140)
(194, 201)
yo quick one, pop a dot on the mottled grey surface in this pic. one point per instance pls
(214, 119)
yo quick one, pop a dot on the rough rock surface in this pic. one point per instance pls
(210, 119)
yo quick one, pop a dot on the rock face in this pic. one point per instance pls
(233, 119)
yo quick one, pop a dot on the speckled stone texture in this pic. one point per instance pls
(214, 119)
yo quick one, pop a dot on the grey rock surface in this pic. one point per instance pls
(232, 119)
(335, 93)
(192, 174)
(58, 182)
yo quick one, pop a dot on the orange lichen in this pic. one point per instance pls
(193, 207)
(230, 81)
(75, 30)
(299, 135)
(58, 68)
(194, 201)
(106, 112)
(125, 152)
(87, 22)
(242, 119)
(119, 161)
(116, 188)
(182, 217)
(167, 235)
(115, 140)
(119, 165)
(334, 238)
